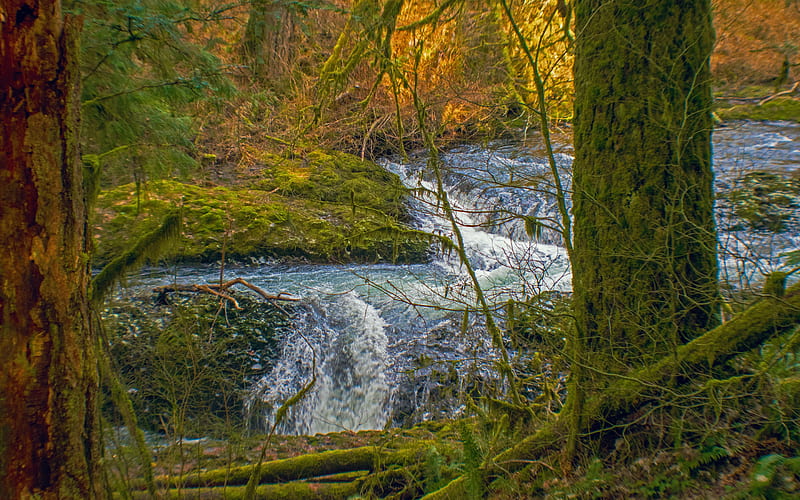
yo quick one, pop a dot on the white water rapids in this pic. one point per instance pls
(380, 337)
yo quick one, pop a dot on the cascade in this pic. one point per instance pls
(368, 327)
(344, 338)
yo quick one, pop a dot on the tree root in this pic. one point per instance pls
(770, 317)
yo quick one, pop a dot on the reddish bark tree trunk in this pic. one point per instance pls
(49, 440)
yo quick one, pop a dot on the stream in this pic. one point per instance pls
(389, 343)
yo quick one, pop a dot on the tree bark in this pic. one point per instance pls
(645, 262)
(265, 45)
(49, 437)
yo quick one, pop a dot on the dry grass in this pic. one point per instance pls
(754, 38)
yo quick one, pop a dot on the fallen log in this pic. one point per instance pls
(394, 481)
(768, 318)
(222, 290)
(313, 465)
(288, 491)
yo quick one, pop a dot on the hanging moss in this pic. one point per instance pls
(148, 247)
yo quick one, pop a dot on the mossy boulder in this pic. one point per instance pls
(186, 364)
(323, 206)
(766, 201)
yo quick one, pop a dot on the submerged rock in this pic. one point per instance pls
(765, 201)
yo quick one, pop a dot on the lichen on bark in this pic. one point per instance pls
(644, 261)
(50, 446)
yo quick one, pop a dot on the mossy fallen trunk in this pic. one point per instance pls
(766, 319)
(314, 465)
(396, 482)
(289, 491)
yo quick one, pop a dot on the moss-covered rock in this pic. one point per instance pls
(186, 364)
(766, 201)
(324, 206)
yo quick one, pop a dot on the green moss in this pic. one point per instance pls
(781, 108)
(326, 206)
(158, 344)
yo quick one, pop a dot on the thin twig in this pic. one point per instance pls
(785, 92)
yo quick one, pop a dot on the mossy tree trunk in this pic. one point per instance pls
(645, 262)
(265, 45)
(49, 438)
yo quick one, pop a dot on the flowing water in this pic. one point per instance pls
(384, 340)
(741, 149)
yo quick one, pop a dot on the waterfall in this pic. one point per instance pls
(387, 340)
(345, 338)
(346, 333)
(492, 191)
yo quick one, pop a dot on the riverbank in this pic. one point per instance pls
(306, 205)
(337, 327)
(759, 103)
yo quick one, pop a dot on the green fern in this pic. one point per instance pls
(473, 459)
(708, 455)
(432, 470)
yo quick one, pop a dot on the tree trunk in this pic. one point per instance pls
(265, 45)
(645, 259)
(49, 439)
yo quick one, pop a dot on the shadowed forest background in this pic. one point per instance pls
(402, 249)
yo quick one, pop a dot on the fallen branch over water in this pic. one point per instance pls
(785, 92)
(222, 291)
